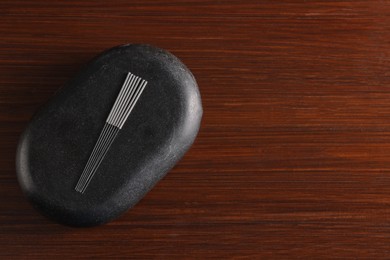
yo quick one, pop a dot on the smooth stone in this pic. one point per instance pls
(57, 143)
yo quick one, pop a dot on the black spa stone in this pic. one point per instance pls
(57, 143)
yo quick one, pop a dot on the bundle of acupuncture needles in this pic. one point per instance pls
(128, 96)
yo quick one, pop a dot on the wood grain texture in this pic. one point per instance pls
(293, 156)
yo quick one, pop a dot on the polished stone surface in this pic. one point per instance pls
(56, 145)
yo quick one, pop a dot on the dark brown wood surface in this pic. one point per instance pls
(293, 156)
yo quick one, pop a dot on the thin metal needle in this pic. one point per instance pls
(132, 104)
(100, 160)
(92, 156)
(128, 96)
(100, 155)
(128, 85)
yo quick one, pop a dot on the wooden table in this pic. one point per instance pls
(293, 156)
